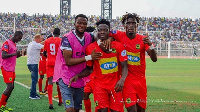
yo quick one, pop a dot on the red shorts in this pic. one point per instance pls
(105, 98)
(42, 67)
(9, 77)
(49, 71)
(89, 87)
(135, 91)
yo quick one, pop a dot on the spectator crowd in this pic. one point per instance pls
(159, 28)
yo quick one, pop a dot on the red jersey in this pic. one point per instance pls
(42, 57)
(106, 68)
(51, 46)
(135, 51)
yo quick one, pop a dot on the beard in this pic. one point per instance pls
(79, 32)
(130, 33)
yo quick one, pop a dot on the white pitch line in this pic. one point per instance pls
(30, 88)
(171, 76)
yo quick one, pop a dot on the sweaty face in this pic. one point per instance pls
(103, 31)
(80, 25)
(131, 26)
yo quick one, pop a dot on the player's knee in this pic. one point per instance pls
(41, 76)
(10, 87)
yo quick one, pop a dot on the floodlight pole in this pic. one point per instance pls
(65, 7)
(106, 9)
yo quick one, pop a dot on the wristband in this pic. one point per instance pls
(88, 57)
(99, 42)
(152, 47)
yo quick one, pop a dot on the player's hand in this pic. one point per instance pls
(95, 55)
(146, 40)
(18, 53)
(107, 43)
(73, 79)
(23, 52)
(119, 86)
(103, 47)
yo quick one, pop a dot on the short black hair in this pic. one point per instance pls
(18, 33)
(90, 29)
(103, 21)
(56, 31)
(130, 15)
(81, 15)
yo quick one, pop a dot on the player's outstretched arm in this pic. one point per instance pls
(120, 84)
(86, 72)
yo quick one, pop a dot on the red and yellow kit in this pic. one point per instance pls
(106, 75)
(135, 89)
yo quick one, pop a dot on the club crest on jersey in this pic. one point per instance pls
(137, 46)
(113, 50)
(6, 46)
(67, 102)
(41, 72)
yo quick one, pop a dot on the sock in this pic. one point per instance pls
(59, 94)
(46, 85)
(50, 91)
(3, 100)
(40, 84)
(87, 104)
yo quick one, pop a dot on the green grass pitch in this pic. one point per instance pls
(173, 86)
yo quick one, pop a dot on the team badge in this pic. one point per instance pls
(113, 50)
(41, 72)
(137, 46)
(10, 79)
(128, 100)
(96, 103)
(67, 102)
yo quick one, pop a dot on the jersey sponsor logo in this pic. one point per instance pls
(80, 54)
(114, 31)
(137, 46)
(133, 58)
(67, 102)
(123, 53)
(108, 65)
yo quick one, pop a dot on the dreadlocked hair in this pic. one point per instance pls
(130, 15)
